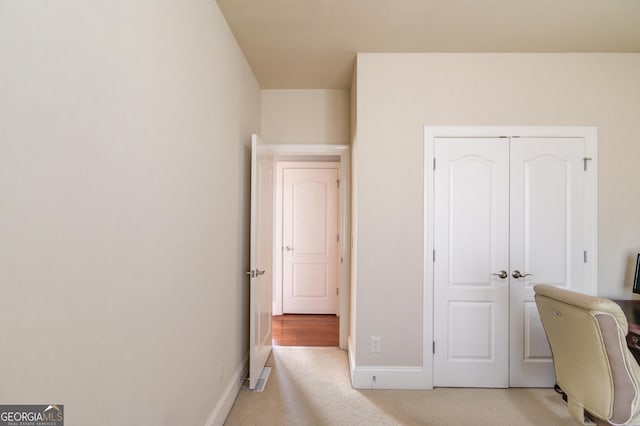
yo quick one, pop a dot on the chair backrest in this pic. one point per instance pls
(591, 359)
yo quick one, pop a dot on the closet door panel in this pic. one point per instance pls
(471, 244)
(546, 243)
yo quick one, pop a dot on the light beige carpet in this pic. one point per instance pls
(311, 386)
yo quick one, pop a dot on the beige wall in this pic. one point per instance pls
(305, 116)
(400, 93)
(123, 196)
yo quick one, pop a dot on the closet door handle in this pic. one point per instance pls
(517, 274)
(502, 275)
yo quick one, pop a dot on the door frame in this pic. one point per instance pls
(590, 135)
(341, 155)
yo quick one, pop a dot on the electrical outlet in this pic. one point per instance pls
(375, 344)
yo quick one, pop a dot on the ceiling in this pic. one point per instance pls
(312, 44)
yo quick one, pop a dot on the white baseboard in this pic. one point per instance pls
(389, 377)
(223, 407)
(386, 377)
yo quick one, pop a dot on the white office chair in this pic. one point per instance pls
(592, 362)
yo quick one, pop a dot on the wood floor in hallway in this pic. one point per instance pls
(305, 330)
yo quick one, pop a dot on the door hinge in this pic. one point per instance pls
(434, 163)
(434, 347)
(585, 159)
(585, 256)
(337, 291)
(338, 181)
(338, 237)
(434, 255)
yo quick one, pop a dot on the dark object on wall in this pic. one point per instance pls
(636, 279)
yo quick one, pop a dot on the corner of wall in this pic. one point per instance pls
(223, 407)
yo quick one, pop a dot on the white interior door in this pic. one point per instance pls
(261, 258)
(310, 240)
(519, 205)
(471, 307)
(546, 241)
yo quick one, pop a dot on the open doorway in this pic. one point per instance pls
(311, 275)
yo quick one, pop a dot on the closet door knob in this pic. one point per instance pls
(517, 274)
(502, 275)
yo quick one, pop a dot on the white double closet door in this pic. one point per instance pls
(508, 213)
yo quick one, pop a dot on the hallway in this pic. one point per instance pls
(305, 330)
